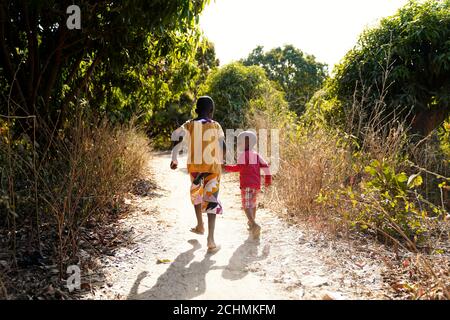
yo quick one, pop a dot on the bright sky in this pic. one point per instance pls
(325, 28)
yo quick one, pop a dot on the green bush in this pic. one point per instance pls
(388, 202)
(239, 91)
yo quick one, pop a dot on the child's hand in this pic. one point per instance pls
(173, 165)
(267, 181)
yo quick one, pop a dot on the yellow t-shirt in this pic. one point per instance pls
(203, 138)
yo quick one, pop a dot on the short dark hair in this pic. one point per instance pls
(205, 105)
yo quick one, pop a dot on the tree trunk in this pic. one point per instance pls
(426, 121)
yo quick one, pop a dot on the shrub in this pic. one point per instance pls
(388, 203)
(311, 161)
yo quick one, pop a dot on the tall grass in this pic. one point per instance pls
(76, 180)
(3, 291)
(311, 162)
(360, 186)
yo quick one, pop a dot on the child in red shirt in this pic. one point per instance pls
(249, 165)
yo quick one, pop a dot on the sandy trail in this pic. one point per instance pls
(288, 262)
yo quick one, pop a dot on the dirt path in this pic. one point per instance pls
(287, 263)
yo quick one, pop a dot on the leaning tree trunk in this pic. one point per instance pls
(426, 121)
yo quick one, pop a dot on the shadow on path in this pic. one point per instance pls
(244, 255)
(180, 281)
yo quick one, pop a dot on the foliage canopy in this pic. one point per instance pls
(120, 46)
(407, 57)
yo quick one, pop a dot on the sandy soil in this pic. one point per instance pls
(288, 262)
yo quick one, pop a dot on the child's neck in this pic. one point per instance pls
(205, 117)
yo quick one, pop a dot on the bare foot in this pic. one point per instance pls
(213, 249)
(198, 230)
(256, 231)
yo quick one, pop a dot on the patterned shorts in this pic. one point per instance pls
(249, 197)
(205, 191)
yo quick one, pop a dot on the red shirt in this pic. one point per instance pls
(249, 165)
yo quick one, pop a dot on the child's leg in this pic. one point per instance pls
(197, 199)
(249, 205)
(256, 230)
(200, 228)
(251, 219)
(212, 207)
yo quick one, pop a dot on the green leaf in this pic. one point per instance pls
(415, 181)
(370, 170)
(402, 177)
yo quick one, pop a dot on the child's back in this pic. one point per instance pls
(204, 150)
(204, 138)
(249, 166)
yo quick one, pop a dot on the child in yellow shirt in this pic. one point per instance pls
(205, 141)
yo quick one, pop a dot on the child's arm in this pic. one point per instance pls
(232, 168)
(266, 171)
(235, 167)
(222, 144)
(177, 139)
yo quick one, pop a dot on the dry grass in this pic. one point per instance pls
(78, 179)
(3, 291)
(100, 164)
(311, 163)
(317, 169)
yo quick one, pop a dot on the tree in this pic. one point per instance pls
(239, 91)
(168, 99)
(50, 67)
(410, 48)
(206, 61)
(299, 75)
